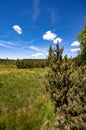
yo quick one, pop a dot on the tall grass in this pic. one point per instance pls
(24, 104)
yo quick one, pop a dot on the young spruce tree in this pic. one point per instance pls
(67, 89)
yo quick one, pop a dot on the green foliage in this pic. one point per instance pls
(23, 64)
(66, 86)
(31, 63)
(6, 63)
(82, 40)
(24, 104)
(50, 52)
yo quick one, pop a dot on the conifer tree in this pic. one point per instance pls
(82, 40)
(50, 52)
(67, 89)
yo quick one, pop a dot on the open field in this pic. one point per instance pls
(24, 103)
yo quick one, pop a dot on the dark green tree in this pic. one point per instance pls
(50, 53)
(82, 40)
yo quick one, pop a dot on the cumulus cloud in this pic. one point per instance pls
(57, 39)
(37, 55)
(34, 48)
(17, 29)
(75, 49)
(52, 37)
(76, 43)
(49, 36)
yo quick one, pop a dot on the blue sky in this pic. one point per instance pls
(28, 27)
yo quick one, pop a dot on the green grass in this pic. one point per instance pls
(24, 103)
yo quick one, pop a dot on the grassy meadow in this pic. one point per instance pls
(24, 103)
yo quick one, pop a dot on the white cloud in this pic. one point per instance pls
(1, 44)
(43, 52)
(57, 39)
(6, 44)
(37, 55)
(34, 48)
(53, 17)
(17, 29)
(76, 43)
(52, 37)
(75, 49)
(36, 9)
(31, 41)
(52, 14)
(49, 36)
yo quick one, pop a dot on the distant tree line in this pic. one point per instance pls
(31, 63)
(7, 63)
(24, 63)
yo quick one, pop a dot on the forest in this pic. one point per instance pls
(44, 94)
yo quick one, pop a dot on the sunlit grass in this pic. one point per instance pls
(23, 94)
